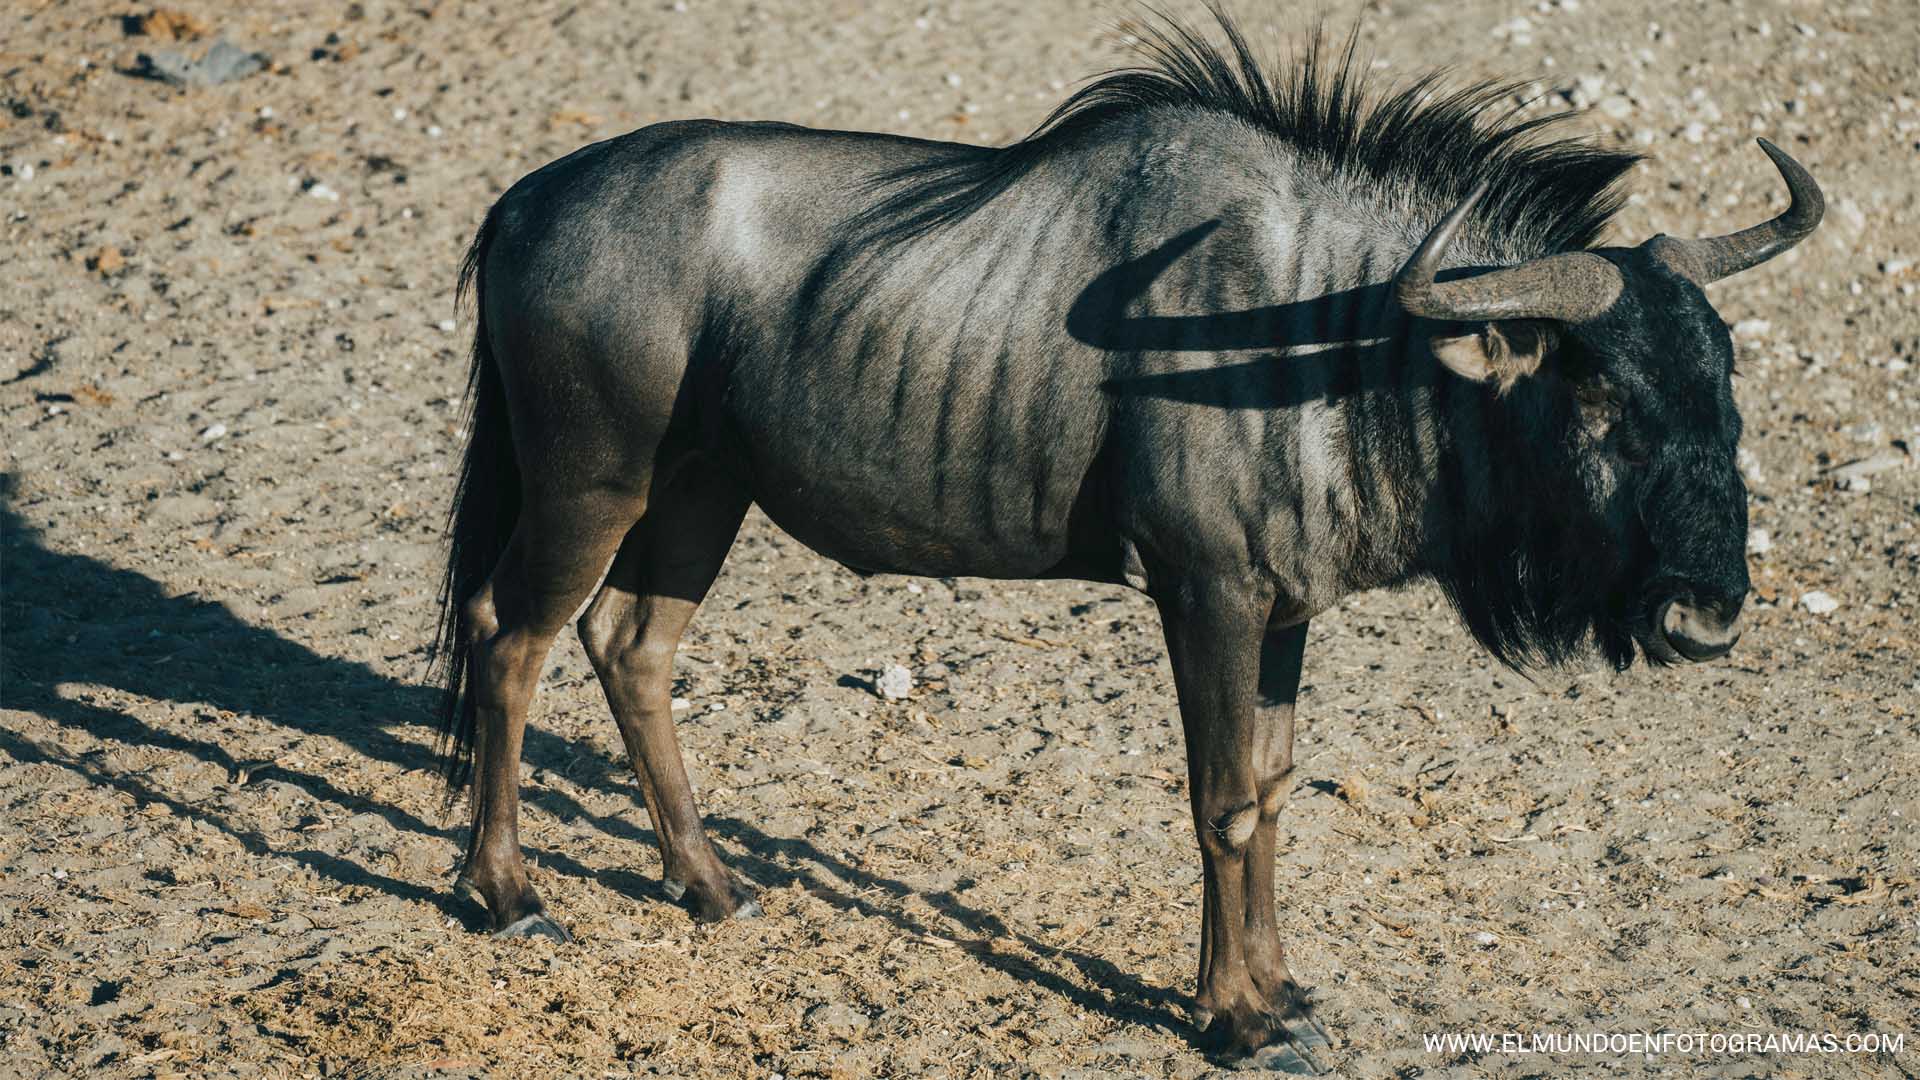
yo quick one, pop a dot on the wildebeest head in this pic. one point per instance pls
(1615, 374)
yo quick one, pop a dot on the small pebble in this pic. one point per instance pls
(213, 432)
(1819, 603)
(445, 325)
(1750, 328)
(681, 704)
(322, 191)
(1616, 106)
(1485, 938)
(895, 682)
(1759, 542)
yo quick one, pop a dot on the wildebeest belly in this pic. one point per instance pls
(962, 462)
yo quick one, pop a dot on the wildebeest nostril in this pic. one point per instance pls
(1698, 633)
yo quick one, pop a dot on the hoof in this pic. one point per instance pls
(735, 900)
(1304, 1028)
(535, 925)
(1283, 1057)
(1273, 1039)
(466, 892)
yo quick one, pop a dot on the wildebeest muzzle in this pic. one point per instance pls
(1696, 631)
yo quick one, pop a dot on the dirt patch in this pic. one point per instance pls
(231, 368)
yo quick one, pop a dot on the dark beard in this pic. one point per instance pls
(1543, 594)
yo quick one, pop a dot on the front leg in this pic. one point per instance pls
(1238, 754)
(1281, 652)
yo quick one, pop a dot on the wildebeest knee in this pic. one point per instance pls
(1233, 829)
(599, 633)
(617, 644)
(482, 622)
(1274, 791)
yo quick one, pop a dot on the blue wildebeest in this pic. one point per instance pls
(1246, 343)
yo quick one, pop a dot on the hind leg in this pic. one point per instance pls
(631, 631)
(557, 552)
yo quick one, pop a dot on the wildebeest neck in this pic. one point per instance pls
(1336, 419)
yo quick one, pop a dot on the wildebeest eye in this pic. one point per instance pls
(1599, 408)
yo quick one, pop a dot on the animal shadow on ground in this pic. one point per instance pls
(71, 619)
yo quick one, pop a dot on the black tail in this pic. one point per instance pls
(486, 502)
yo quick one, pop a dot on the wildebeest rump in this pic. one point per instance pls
(1246, 345)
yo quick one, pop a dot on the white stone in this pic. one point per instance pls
(1819, 603)
(895, 682)
(1759, 541)
(216, 431)
(1616, 106)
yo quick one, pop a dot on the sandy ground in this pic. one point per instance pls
(231, 405)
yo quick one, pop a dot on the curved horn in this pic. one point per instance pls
(1706, 261)
(1573, 287)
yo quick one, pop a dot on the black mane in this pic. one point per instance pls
(1423, 144)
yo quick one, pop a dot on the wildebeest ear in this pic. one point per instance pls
(1500, 352)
